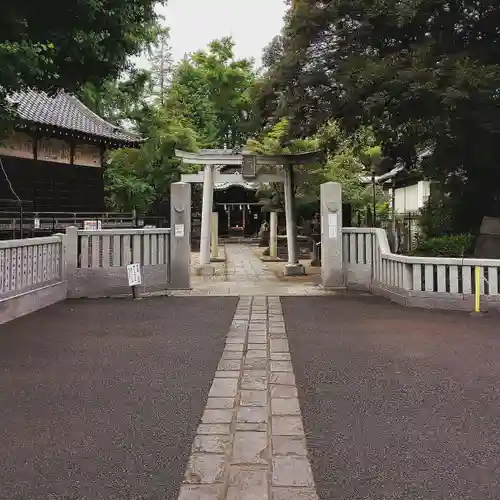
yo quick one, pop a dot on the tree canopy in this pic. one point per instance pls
(206, 101)
(65, 44)
(417, 72)
(211, 92)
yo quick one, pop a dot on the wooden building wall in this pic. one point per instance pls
(52, 174)
(53, 187)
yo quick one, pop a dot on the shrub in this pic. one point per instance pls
(457, 245)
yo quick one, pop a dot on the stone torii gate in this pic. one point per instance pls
(258, 169)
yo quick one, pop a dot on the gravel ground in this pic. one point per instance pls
(101, 399)
(398, 403)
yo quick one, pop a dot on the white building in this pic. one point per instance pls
(410, 198)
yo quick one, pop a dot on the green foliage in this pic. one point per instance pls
(436, 218)
(417, 72)
(457, 245)
(307, 177)
(125, 187)
(352, 158)
(120, 100)
(141, 178)
(67, 44)
(211, 93)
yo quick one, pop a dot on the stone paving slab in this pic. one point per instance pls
(245, 275)
(101, 399)
(257, 451)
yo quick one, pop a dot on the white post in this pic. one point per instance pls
(292, 268)
(215, 235)
(273, 235)
(206, 215)
(332, 266)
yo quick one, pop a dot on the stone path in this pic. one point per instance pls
(250, 444)
(244, 274)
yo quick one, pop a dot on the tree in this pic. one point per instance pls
(419, 73)
(56, 45)
(308, 178)
(160, 58)
(120, 101)
(141, 178)
(211, 92)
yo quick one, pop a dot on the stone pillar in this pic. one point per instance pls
(206, 215)
(332, 265)
(180, 238)
(273, 235)
(215, 235)
(292, 268)
(70, 259)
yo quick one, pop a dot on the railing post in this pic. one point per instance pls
(70, 257)
(180, 238)
(407, 276)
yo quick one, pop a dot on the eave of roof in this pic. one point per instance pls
(63, 112)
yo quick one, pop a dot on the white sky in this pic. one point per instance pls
(195, 23)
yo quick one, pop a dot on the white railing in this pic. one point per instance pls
(109, 248)
(369, 262)
(29, 264)
(98, 260)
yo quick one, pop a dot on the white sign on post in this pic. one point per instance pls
(92, 225)
(179, 230)
(134, 274)
(36, 223)
(333, 225)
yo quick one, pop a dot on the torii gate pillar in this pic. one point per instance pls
(293, 267)
(206, 215)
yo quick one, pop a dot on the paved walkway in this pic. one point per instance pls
(250, 444)
(244, 274)
(262, 397)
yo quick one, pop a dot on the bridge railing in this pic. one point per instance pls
(31, 275)
(99, 260)
(421, 281)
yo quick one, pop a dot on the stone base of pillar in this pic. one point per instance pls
(206, 270)
(218, 259)
(294, 270)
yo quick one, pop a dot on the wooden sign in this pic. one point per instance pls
(55, 150)
(19, 144)
(87, 155)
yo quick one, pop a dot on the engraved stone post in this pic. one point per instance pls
(180, 238)
(332, 268)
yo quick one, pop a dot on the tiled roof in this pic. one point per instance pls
(65, 111)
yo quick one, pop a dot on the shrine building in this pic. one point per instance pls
(54, 160)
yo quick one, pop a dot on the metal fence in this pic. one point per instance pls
(403, 230)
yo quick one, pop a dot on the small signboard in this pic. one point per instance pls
(92, 225)
(179, 230)
(333, 225)
(134, 274)
(36, 223)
